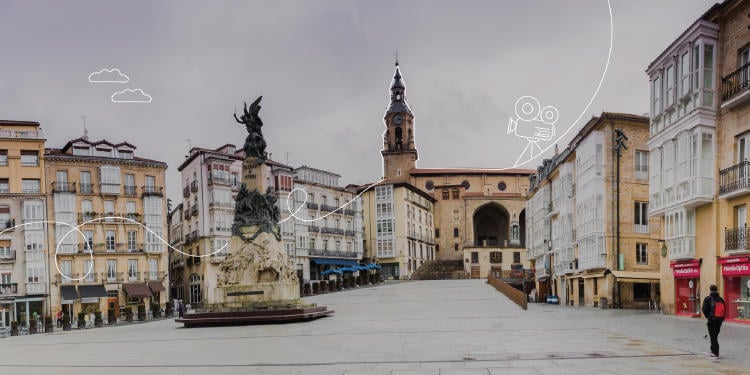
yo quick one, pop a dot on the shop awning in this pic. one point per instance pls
(92, 291)
(637, 277)
(156, 286)
(69, 294)
(334, 261)
(137, 290)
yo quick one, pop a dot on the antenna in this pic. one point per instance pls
(287, 158)
(395, 54)
(85, 130)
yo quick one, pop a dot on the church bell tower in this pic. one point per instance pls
(399, 151)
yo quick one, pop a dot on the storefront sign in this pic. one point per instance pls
(730, 260)
(734, 269)
(692, 263)
(687, 272)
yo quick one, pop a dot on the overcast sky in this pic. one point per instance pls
(324, 69)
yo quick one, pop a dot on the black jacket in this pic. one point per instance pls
(706, 309)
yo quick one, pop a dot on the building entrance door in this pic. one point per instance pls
(581, 290)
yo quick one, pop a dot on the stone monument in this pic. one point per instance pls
(258, 282)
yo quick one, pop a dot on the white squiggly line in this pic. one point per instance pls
(76, 228)
(294, 214)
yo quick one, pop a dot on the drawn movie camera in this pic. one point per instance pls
(533, 123)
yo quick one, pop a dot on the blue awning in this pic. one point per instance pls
(328, 272)
(373, 266)
(334, 262)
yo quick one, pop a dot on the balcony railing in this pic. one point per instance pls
(313, 229)
(185, 192)
(333, 253)
(221, 205)
(219, 181)
(187, 214)
(735, 180)
(421, 237)
(735, 239)
(735, 82)
(63, 187)
(130, 190)
(156, 191)
(178, 263)
(348, 212)
(192, 236)
(640, 228)
(7, 256)
(327, 208)
(8, 289)
(194, 186)
(8, 224)
(326, 230)
(194, 210)
(312, 206)
(86, 188)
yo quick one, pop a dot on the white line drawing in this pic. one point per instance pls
(108, 76)
(304, 204)
(131, 96)
(533, 123)
(596, 92)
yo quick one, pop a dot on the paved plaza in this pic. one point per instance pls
(418, 327)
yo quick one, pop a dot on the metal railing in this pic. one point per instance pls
(7, 255)
(153, 191)
(130, 190)
(421, 237)
(333, 253)
(312, 206)
(194, 186)
(86, 188)
(734, 178)
(63, 187)
(8, 289)
(735, 82)
(8, 224)
(327, 208)
(185, 192)
(736, 239)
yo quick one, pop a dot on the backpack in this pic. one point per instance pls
(718, 309)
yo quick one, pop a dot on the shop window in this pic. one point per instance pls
(516, 257)
(496, 257)
(474, 257)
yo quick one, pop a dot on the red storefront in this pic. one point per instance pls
(736, 274)
(687, 280)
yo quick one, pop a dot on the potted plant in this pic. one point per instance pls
(98, 322)
(14, 328)
(66, 322)
(129, 313)
(48, 326)
(169, 310)
(141, 311)
(81, 320)
(32, 326)
(155, 310)
(323, 286)
(111, 318)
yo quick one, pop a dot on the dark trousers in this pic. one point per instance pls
(714, 326)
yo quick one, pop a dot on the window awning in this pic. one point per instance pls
(137, 290)
(68, 293)
(92, 291)
(335, 262)
(637, 277)
(156, 286)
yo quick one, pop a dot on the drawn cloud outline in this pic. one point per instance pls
(94, 77)
(144, 98)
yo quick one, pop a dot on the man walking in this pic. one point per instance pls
(714, 310)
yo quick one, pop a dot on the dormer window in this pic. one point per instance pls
(81, 150)
(126, 154)
(230, 150)
(105, 152)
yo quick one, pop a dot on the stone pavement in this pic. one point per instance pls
(420, 327)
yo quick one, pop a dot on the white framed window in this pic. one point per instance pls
(3, 157)
(30, 186)
(641, 254)
(669, 87)
(29, 158)
(66, 269)
(89, 271)
(109, 240)
(110, 179)
(85, 182)
(89, 244)
(132, 244)
(111, 269)
(132, 269)
(656, 95)
(640, 217)
(684, 73)
(153, 269)
(743, 151)
(708, 75)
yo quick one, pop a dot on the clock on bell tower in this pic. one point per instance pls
(399, 151)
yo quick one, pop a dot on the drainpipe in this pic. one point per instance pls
(620, 139)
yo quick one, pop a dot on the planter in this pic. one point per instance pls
(14, 328)
(98, 322)
(155, 310)
(129, 314)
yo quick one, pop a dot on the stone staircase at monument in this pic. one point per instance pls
(440, 270)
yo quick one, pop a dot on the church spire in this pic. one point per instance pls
(398, 100)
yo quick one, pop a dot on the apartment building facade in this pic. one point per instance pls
(117, 255)
(585, 247)
(329, 234)
(24, 252)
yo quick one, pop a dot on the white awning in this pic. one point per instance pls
(637, 276)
